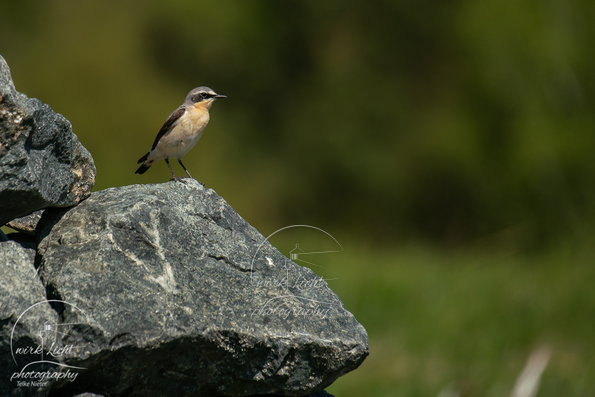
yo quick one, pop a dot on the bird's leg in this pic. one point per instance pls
(175, 178)
(180, 161)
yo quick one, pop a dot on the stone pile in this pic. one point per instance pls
(147, 290)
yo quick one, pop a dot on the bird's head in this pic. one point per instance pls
(202, 96)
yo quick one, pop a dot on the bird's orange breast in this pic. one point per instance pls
(197, 116)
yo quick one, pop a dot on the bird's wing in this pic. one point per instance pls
(169, 124)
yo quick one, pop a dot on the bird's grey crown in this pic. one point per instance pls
(202, 89)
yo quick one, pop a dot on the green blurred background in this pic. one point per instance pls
(448, 145)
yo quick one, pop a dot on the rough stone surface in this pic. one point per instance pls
(26, 224)
(42, 163)
(89, 395)
(320, 393)
(24, 313)
(176, 294)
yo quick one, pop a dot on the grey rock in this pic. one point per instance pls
(24, 314)
(26, 224)
(320, 393)
(42, 163)
(179, 295)
(88, 395)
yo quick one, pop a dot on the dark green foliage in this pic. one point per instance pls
(446, 121)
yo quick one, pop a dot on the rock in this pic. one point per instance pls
(179, 295)
(320, 393)
(26, 224)
(88, 395)
(24, 314)
(42, 163)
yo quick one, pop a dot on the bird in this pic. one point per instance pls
(181, 131)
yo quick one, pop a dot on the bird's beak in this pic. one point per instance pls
(220, 96)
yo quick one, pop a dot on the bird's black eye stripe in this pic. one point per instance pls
(202, 96)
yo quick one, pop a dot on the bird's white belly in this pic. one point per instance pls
(176, 143)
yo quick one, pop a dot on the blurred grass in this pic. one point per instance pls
(464, 319)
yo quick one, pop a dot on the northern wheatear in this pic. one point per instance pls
(182, 129)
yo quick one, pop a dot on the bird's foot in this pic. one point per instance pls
(183, 180)
(190, 176)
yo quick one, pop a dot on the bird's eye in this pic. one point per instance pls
(204, 95)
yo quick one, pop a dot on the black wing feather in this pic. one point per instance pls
(169, 123)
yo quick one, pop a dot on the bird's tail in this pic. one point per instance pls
(143, 168)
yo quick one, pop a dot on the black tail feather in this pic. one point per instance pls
(144, 158)
(142, 169)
